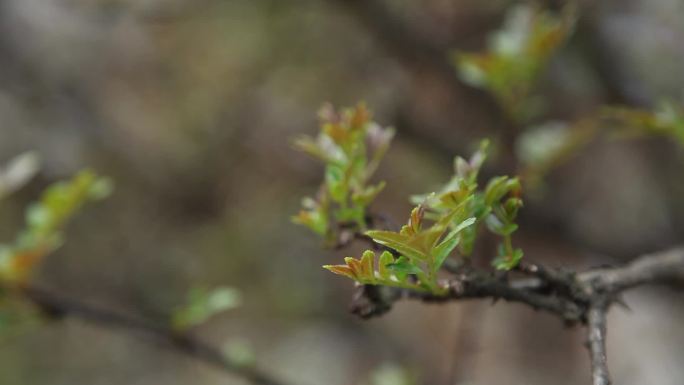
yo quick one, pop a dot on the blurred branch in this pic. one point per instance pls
(618, 88)
(58, 306)
(596, 330)
(421, 54)
(401, 40)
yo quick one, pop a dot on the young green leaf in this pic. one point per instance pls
(460, 205)
(450, 241)
(386, 258)
(507, 262)
(404, 266)
(398, 242)
(239, 352)
(345, 143)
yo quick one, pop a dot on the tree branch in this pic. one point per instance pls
(566, 294)
(585, 297)
(56, 305)
(371, 301)
(664, 267)
(596, 343)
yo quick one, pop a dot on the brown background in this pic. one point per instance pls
(190, 104)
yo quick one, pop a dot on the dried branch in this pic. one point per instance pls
(371, 301)
(664, 267)
(596, 343)
(57, 305)
(574, 297)
(566, 294)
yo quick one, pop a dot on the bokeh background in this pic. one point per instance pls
(190, 105)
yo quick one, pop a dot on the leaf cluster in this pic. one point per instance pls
(515, 57)
(351, 146)
(45, 222)
(496, 206)
(547, 145)
(442, 223)
(667, 119)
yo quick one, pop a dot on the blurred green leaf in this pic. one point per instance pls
(18, 172)
(45, 221)
(391, 374)
(506, 261)
(239, 352)
(351, 146)
(203, 304)
(516, 55)
(368, 195)
(314, 215)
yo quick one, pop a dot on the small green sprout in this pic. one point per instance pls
(45, 222)
(515, 57)
(351, 147)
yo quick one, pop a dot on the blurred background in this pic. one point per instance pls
(190, 106)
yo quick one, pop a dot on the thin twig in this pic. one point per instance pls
(57, 305)
(664, 267)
